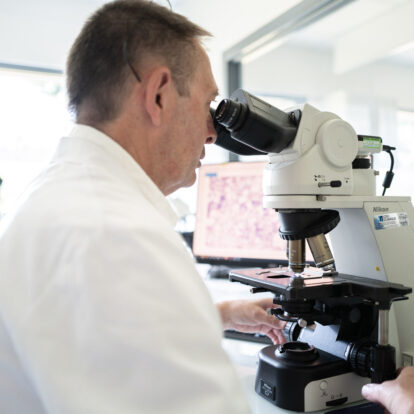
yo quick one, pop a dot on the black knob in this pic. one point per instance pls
(360, 358)
(336, 183)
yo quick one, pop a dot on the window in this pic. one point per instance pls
(404, 173)
(33, 118)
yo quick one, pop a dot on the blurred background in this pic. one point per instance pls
(351, 57)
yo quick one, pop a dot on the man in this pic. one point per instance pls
(102, 310)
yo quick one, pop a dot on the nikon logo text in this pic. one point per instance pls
(380, 209)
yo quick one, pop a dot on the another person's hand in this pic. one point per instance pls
(251, 316)
(397, 396)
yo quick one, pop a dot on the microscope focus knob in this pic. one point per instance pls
(359, 358)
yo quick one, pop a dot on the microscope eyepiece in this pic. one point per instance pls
(255, 125)
(231, 114)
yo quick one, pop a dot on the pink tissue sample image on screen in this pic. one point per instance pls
(231, 221)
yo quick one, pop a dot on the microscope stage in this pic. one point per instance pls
(314, 283)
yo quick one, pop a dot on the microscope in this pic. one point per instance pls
(341, 328)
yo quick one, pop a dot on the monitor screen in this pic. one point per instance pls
(231, 223)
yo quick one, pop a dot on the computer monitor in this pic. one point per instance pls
(232, 226)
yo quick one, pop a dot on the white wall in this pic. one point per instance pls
(370, 98)
(230, 21)
(301, 71)
(40, 33)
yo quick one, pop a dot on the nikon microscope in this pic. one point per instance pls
(342, 326)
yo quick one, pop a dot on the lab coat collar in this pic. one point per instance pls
(131, 167)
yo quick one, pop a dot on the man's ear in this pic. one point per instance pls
(158, 94)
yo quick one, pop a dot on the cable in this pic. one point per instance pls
(389, 175)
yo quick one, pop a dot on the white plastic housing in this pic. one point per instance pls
(322, 151)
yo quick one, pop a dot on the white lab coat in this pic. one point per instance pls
(101, 308)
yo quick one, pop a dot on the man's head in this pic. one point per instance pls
(121, 31)
(160, 113)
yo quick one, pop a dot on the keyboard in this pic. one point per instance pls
(251, 337)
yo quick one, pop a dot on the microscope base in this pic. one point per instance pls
(323, 383)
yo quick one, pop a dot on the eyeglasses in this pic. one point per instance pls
(125, 51)
(127, 61)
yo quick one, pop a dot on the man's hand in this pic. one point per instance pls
(251, 316)
(396, 396)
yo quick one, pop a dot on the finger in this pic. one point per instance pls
(282, 338)
(251, 328)
(372, 392)
(275, 338)
(272, 321)
(265, 303)
(275, 335)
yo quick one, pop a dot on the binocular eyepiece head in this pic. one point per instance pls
(247, 125)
